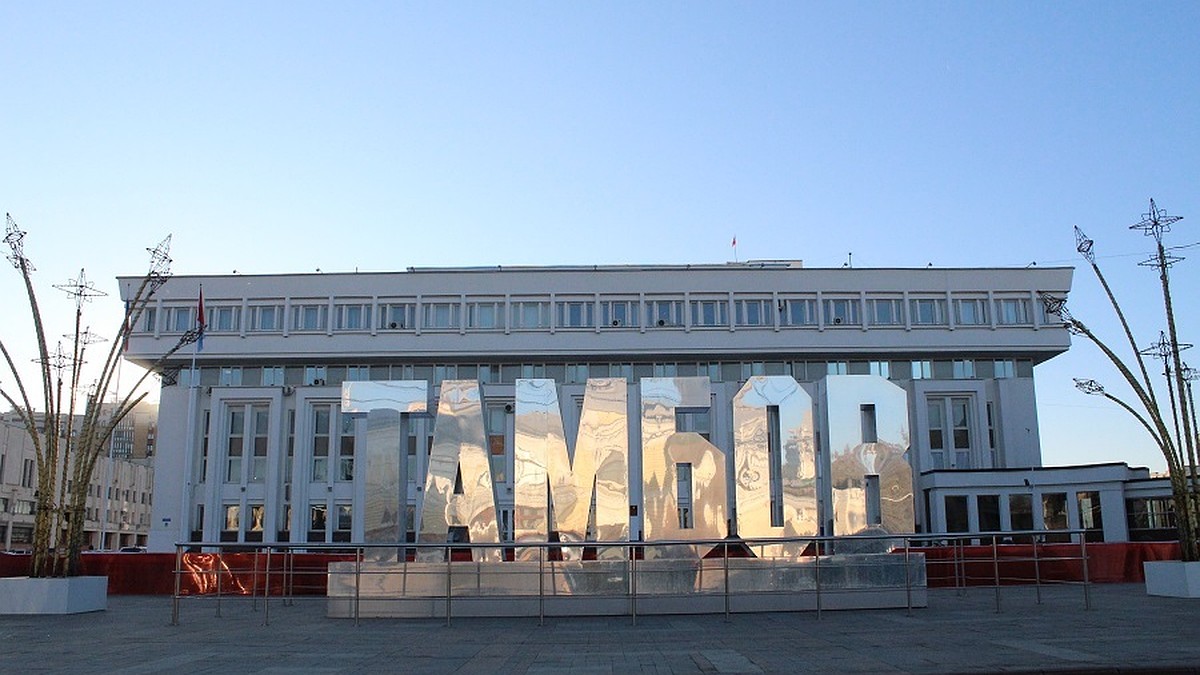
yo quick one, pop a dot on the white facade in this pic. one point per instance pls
(257, 450)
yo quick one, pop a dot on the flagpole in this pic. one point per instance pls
(735, 255)
(185, 497)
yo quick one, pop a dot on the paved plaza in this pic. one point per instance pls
(1125, 631)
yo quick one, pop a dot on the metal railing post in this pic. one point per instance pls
(1087, 590)
(267, 592)
(633, 583)
(996, 571)
(818, 579)
(960, 566)
(541, 585)
(254, 584)
(448, 584)
(907, 577)
(1037, 571)
(289, 575)
(358, 556)
(219, 561)
(726, 581)
(178, 574)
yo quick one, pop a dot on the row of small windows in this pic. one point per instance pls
(503, 314)
(508, 373)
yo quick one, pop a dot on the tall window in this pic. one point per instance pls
(266, 318)
(530, 314)
(308, 317)
(345, 519)
(497, 421)
(204, 448)
(315, 375)
(754, 313)
(149, 319)
(710, 313)
(235, 445)
(320, 443)
(971, 312)
(577, 314)
(440, 315)
(180, 319)
(397, 316)
(229, 377)
(485, 315)
(960, 409)
(937, 434)
(346, 448)
(991, 431)
(799, 312)
(1004, 369)
(233, 518)
(885, 311)
(964, 369)
(928, 311)
(258, 467)
(353, 317)
(619, 313)
(1012, 312)
(950, 431)
(664, 313)
(220, 319)
(317, 521)
(922, 370)
(291, 447)
(842, 312)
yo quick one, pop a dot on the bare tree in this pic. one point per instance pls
(1170, 422)
(70, 440)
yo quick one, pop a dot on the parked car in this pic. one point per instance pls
(132, 549)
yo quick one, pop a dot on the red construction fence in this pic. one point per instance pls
(305, 573)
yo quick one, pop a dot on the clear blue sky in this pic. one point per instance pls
(287, 137)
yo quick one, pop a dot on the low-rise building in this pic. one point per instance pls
(118, 503)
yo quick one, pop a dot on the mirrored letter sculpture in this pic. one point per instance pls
(459, 450)
(665, 452)
(385, 483)
(775, 468)
(870, 475)
(600, 459)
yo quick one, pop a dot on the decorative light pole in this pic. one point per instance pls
(73, 440)
(1176, 438)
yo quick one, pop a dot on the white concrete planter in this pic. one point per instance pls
(70, 595)
(1172, 578)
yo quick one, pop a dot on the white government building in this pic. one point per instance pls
(253, 446)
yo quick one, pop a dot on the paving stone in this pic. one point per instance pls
(1126, 631)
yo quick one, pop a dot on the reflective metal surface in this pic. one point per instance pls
(600, 459)
(752, 440)
(459, 447)
(656, 585)
(852, 459)
(384, 479)
(406, 396)
(663, 449)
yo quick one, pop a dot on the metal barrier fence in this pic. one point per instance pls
(735, 575)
